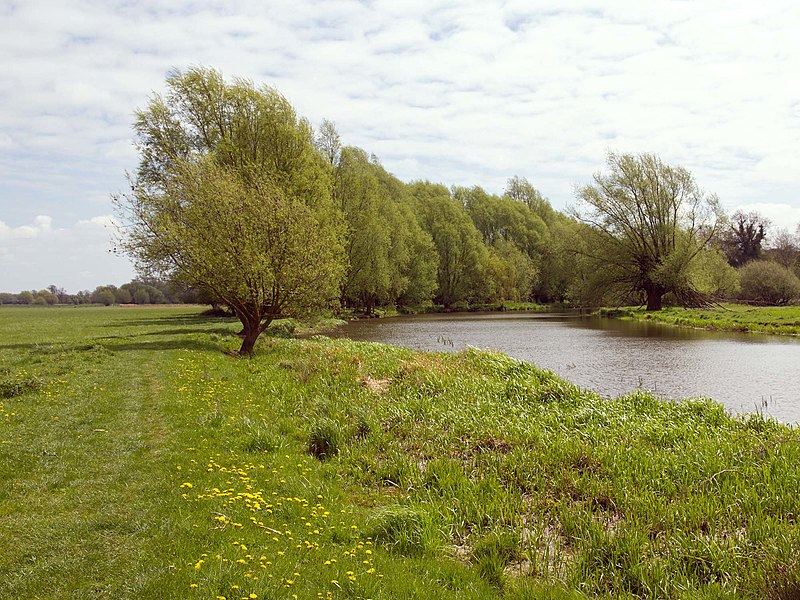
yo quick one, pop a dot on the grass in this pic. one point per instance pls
(780, 320)
(137, 460)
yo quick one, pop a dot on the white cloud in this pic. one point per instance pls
(79, 257)
(41, 225)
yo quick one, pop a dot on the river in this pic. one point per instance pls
(745, 372)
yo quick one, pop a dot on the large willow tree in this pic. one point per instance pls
(648, 222)
(232, 196)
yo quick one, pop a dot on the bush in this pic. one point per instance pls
(768, 282)
(283, 328)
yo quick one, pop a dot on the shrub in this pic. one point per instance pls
(284, 328)
(768, 282)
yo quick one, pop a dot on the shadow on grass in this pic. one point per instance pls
(176, 320)
(128, 341)
(172, 332)
(165, 345)
(43, 347)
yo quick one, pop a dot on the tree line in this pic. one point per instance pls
(239, 197)
(151, 291)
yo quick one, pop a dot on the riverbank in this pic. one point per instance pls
(137, 459)
(776, 320)
(422, 309)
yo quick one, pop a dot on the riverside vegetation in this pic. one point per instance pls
(781, 320)
(138, 459)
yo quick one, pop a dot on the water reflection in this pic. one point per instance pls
(743, 371)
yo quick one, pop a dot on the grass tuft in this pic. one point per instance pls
(17, 384)
(401, 528)
(325, 439)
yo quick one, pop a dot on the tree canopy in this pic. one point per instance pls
(232, 196)
(647, 222)
(239, 198)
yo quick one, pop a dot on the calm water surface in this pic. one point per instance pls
(746, 372)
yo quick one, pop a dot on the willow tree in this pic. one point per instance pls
(231, 195)
(461, 254)
(389, 258)
(648, 222)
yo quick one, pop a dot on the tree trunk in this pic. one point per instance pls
(251, 333)
(654, 296)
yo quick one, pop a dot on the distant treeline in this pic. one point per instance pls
(134, 292)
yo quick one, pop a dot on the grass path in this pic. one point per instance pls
(85, 478)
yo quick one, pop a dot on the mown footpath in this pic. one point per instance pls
(139, 460)
(778, 320)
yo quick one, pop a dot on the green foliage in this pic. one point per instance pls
(236, 157)
(462, 256)
(744, 238)
(647, 222)
(768, 282)
(284, 328)
(123, 296)
(389, 257)
(516, 237)
(711, 274)
(103, 296)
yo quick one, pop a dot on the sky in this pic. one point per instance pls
(457, 92)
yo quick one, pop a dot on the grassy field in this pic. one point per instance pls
(781, 320)
(138, 460)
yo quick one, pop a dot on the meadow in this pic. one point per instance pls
(139, 459)
(779, 320)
